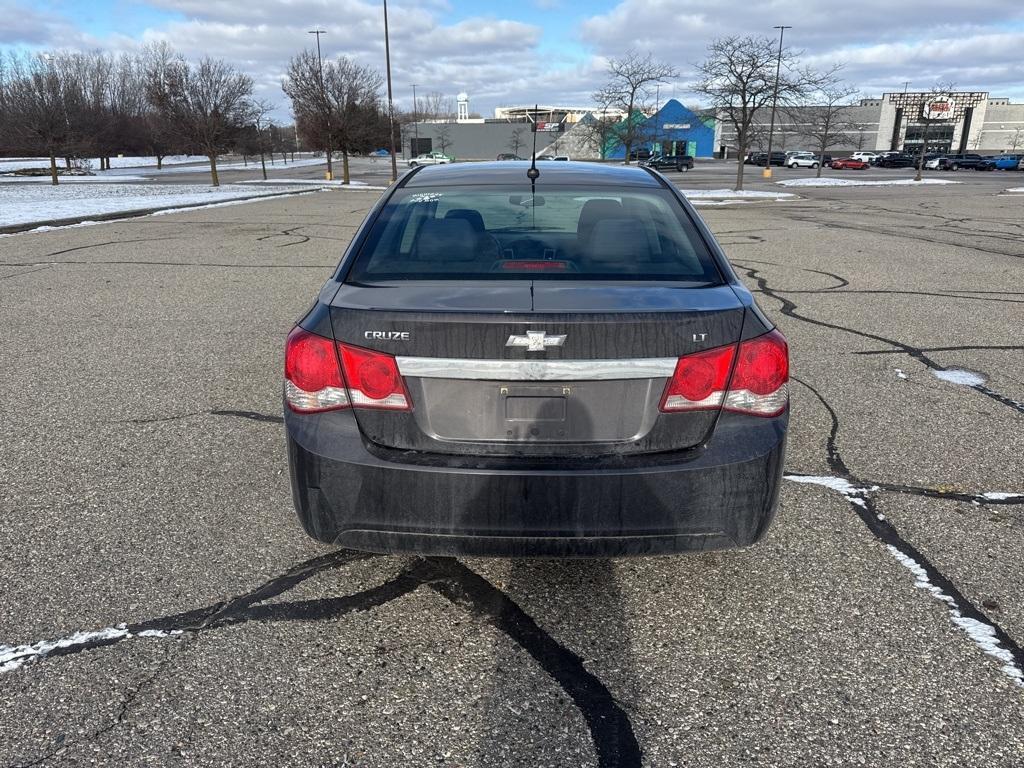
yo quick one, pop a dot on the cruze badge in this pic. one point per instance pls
(536, 341)
(386, 335)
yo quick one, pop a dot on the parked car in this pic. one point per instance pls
(1008, 162)
(430, 158)
(849, 164)
(509, 156)
(877, 160)
(956, 162)
(671, 162)
(867, 157)
(778, 158)
(987, 163)
(802, 160)
(897, 160)
(514, 412)
(380, 153)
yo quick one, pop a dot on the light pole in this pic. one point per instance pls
(415, 121)
(391, 104)
(323, 95)
(767, 173)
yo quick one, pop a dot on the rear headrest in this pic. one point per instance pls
(445, 240)
(473, 217)
(618, 240)
(593, 211)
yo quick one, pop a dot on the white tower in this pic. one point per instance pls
(463, 100)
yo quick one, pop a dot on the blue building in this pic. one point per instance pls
(672, 130)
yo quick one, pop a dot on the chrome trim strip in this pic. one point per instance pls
(536, 370)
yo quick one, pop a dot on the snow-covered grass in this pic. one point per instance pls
(25, 204)
(828, 181)
(252, 165)
(73, 179)
(7, 165)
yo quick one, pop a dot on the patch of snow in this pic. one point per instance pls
(24, 204)
(14, 656)
(983, 634)
(900, 374)
(1014, 189)
(732, 194)
(840, 484)
(833, 182)
(999, 496)
(958, 376)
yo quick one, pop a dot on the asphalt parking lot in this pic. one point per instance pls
(161, 606)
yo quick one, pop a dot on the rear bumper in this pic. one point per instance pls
(719, 497)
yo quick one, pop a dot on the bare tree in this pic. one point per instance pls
(435, 106)
(444, 137)
(630, 80)
(314, 111)
(354, 92)
(155, 64)
(339, 109)
(1016, 141)
(42, 99)
(597, 131)
(826, 122)
(515, 140)
(738, 79)
(208, 106)
(261, 111)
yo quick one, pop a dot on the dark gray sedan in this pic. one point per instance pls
(558, 366)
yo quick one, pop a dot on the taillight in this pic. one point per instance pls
(759, 383)
(312, 376)
(321, 375)
(373, 379)
(699, 381)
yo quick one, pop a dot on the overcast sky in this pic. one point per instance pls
(548, 50)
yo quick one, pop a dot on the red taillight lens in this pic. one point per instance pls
(759, 384)
(373, 379)
(312, 376)
(317, 379)
(699, 381)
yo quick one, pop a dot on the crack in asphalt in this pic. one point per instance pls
(251, 415)
(111, 242)
(290, 232)
(862, 503)
(610, 727)
(789, 309)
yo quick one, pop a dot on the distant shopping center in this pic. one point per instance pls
(961, 121)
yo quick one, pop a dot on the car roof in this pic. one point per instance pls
(514, 171)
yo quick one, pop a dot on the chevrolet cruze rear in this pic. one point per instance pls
(556, 368)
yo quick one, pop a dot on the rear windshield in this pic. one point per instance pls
(500, 232)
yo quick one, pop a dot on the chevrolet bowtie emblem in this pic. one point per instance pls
(535, 341)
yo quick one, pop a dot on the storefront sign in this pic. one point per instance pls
(938, 109)
(675, 126)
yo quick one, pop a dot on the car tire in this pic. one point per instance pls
(814, 165)
(954, 167)
(413, 164)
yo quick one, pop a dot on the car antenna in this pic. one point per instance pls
(533, 172)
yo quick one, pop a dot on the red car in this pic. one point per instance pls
(848, 164)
